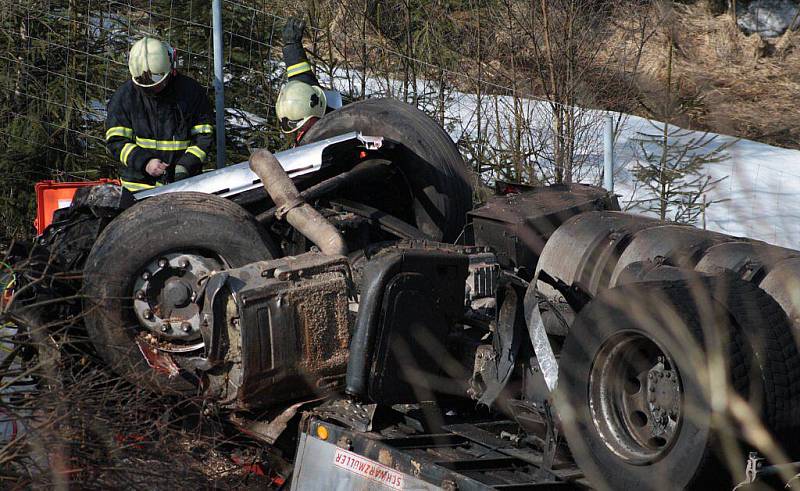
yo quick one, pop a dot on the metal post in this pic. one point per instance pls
(608, 154)
(219, 87)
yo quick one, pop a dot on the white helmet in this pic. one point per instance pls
(150, 62)
(297, 103)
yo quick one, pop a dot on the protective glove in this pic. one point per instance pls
(293, 31)
(155, 167)
(181, 172)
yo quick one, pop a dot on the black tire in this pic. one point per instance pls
(770, 337)
(436, 173)
(172, 222)
(666, 315)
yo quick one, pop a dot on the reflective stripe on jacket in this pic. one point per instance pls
(174, 125)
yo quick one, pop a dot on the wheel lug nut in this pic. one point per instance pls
(186, 326)
(162, 263)
(165, 327)
(148, 314)
(183, 264)
(146, 275)
(140, 295)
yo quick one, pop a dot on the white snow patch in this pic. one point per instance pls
(757, 198)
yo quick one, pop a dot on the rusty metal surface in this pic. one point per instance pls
(270, 430)
(547, 200)
(353, 414)
(289, 331)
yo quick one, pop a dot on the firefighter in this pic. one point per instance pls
(301, 101)
(159, 124)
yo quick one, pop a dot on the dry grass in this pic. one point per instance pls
(728, 82)
(84, 427)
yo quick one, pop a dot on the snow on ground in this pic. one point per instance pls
(759, 193)
(769, 18)
(759, 196)
(760, 189)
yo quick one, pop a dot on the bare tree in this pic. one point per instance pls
(577, 61)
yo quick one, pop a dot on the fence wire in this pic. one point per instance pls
(69, 57)
(61, 60)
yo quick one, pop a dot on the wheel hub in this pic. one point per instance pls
(177, 293)
(635, 398)
(663, 400)
(166, 297)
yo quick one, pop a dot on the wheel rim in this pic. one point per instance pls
(166, 300)
(635, 398)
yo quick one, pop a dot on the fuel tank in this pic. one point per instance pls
(596, 250)
(517, 226)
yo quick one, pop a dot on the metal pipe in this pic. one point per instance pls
(302, 216)
(219, 86)
(608, 154)
(364, 170)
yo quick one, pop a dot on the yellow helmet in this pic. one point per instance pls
(150, 62)
(297, 103)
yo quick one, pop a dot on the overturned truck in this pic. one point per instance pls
(362, 318)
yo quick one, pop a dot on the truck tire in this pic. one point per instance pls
(437, 178)
(173, 239)
(634, 389)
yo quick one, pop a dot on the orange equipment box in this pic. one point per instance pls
(52, 196)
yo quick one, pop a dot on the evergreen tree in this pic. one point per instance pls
(671, 172)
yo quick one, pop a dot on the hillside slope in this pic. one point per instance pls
(728, 82)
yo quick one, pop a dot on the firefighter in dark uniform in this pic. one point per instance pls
(301, 101)
(159, 124)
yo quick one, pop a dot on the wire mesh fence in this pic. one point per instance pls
(61, 61)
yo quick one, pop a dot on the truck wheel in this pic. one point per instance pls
(635, 387)
(436, 184)
(143, 275)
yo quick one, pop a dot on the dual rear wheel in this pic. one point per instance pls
(662, 385)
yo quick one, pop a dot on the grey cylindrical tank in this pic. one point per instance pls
(599, 250)
(748, 259)
(584, 250)
(678, 245)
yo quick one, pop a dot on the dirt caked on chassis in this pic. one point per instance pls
(543, 338)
